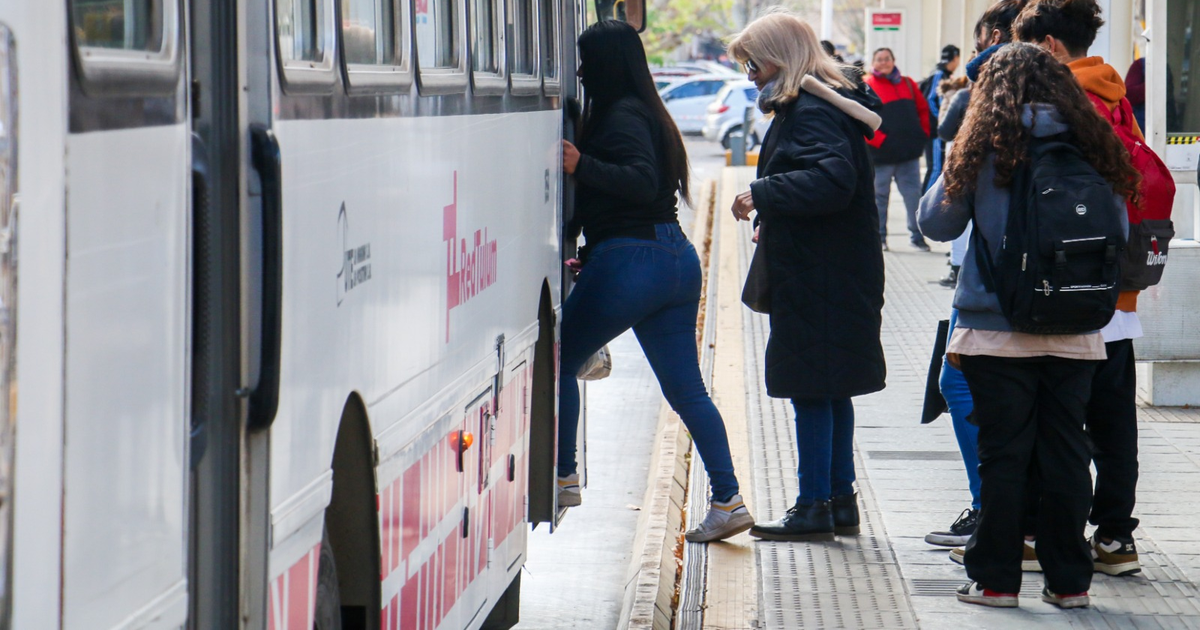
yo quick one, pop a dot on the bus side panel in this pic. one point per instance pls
(126, 402)
(39, 30)
(410, 246)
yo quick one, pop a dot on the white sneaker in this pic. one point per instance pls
(568, 491)
(724, 519)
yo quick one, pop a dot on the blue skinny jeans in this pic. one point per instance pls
(654, 288)
(958, 400)
(825, 445)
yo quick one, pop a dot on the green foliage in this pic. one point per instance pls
(675, 23)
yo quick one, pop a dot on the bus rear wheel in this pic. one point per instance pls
(328, 613)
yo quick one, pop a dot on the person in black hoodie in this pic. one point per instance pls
(815, 201)
(638, 270)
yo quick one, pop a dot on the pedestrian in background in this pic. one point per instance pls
(1067, 28)
(637, 269)
(897, 147)
(931, 87)
(954, 95)
(814, 202)
(992, 32)
(1030, 391)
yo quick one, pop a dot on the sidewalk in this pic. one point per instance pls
(911, 481)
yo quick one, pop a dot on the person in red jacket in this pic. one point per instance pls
(897, 147)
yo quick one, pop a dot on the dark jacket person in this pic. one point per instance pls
(639, 270)
(815, 199)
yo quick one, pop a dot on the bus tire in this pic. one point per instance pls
(328, 612)
(506, 612)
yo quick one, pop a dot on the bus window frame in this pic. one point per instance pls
(367, 78)
(483, 82)
(301, 76)
(434, 81)
(121, 72)
(551, 86)
(527, 84)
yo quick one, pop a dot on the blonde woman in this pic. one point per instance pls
(815, 201)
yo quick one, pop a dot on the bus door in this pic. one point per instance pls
(126, 301)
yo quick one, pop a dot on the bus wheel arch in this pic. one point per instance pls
(351, 520)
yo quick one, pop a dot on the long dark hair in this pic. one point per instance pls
(613, 65)
(1019, 75)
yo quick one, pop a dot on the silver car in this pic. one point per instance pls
(688, 99)
(726, 112)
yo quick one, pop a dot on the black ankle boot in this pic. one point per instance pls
(845, 515)
(802, 522)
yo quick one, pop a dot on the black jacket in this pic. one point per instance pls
(623, 186)
(816, 199)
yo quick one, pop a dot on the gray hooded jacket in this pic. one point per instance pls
(942, 221)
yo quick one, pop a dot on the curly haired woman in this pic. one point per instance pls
(1030, 391)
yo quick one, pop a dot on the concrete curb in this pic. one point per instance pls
(651, 594)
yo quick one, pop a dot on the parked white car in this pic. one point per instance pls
(688, 100)
(727, 111)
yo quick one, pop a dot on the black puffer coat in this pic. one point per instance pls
(815, 195)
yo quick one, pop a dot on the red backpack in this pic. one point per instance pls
(1150, 227)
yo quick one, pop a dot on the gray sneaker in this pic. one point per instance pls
(568, 491)
(724, 519)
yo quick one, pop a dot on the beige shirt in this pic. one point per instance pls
(999, 343)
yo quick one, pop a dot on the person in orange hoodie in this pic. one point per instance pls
(1067, 28)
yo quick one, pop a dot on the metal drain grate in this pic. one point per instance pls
(926, 456)
(945, 588)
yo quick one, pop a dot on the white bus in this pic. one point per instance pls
(279, 282)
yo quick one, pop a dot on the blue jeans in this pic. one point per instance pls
(958, 400)
(654, 288)
(825, 445)
(908, 180)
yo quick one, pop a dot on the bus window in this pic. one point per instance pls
(440, 34)
(437, 33)
(304, 32)
(368, 32)
(119, 24)
(548, 12)
(487, 47)
(373, 38)
(126, 47)
(486, 54)
(524, 65)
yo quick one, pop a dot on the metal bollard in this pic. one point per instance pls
(737, 148)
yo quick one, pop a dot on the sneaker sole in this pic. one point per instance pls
(946, 541)
(1119, 570)
(994, 602)
(1028, 566)
(1074, 602)
(846, 530)
(732, 528)
(817, 537)
(569, 500)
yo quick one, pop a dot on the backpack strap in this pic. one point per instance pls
(983, 252)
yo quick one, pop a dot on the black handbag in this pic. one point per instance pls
(935, 403)
(756, 293)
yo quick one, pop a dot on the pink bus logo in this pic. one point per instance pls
(470, 267)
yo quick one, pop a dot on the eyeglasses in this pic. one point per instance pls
(751, 66)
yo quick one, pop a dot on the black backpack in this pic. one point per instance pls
(1058, 269)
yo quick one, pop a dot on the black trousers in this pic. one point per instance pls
(1031, 413)
(1112, 426)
